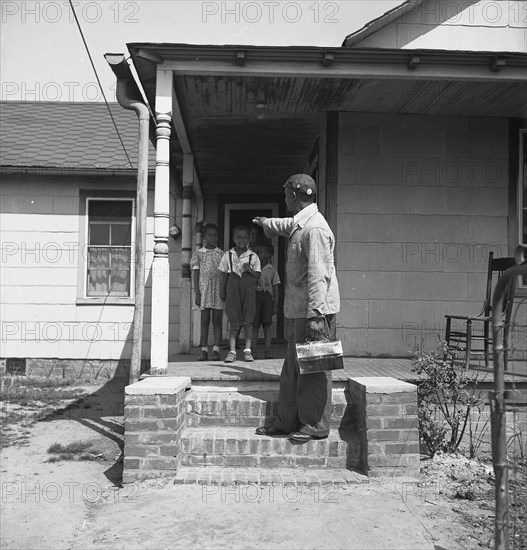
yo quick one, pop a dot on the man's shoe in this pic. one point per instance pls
(304, 438)
(216, 356)
(270, 431)
(204, 355)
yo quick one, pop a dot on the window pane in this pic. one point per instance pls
(120, 258)
(98, 280)
(99, 233)
(99, 258)
(120, 282)
(109, 247)
(121, 234)
(100, 210)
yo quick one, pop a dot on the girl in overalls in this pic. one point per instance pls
(240, 271)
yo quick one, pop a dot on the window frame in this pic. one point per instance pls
(82, 282)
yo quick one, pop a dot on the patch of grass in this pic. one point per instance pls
(32, 399)
(40, 382)
(76, 450)
(27, 396)
(10, 383)
(73, 448)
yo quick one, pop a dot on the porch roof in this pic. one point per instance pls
(252, 114)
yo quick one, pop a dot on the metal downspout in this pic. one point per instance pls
(129, 97)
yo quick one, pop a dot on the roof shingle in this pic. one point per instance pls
(68, 135)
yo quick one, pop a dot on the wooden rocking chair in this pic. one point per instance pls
(470, 335)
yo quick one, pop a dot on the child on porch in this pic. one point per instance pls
(256, 237)
(240, 271)
(266, 296)
(204, 263)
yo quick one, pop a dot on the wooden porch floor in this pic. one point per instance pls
(269, 369)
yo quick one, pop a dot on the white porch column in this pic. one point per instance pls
(186, 253)
(160, 265)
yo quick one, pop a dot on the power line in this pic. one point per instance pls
(100, 85)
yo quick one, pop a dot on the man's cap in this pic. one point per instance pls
(302, 182)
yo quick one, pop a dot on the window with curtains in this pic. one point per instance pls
(109, 247)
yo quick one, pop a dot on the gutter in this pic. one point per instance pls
(129, 97)
(339, 62)
(68, 170)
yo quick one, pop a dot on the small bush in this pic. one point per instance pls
(446, 400)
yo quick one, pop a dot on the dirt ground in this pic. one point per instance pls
(77, 504)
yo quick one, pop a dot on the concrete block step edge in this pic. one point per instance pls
(277, 477)
(242, 395)
(243, 447)
(233, 409)
(323, 479)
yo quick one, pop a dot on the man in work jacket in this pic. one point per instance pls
(311, 302)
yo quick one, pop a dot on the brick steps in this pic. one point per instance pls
(206, 434)
(214, 407)
(280, 477)
(242, 447)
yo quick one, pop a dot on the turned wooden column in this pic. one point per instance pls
(160, 265)
(186, 254)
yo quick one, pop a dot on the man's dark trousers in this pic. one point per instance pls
(304, 400)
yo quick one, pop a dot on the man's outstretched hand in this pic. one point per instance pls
(315, 328)
(259, 220)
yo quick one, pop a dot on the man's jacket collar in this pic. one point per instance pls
(300, 219)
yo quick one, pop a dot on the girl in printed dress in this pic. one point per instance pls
(204, 263)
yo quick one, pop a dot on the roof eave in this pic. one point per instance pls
(293, 61)
(376, 24)
(161, 53)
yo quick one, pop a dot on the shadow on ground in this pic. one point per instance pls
(103, 412)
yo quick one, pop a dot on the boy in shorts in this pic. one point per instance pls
(240, 271)
(267, 296)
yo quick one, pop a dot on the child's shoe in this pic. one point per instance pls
(216, 356)
(247, 356)
(204, 355)
(231, 357)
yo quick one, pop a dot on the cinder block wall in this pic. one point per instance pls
(421, 202)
